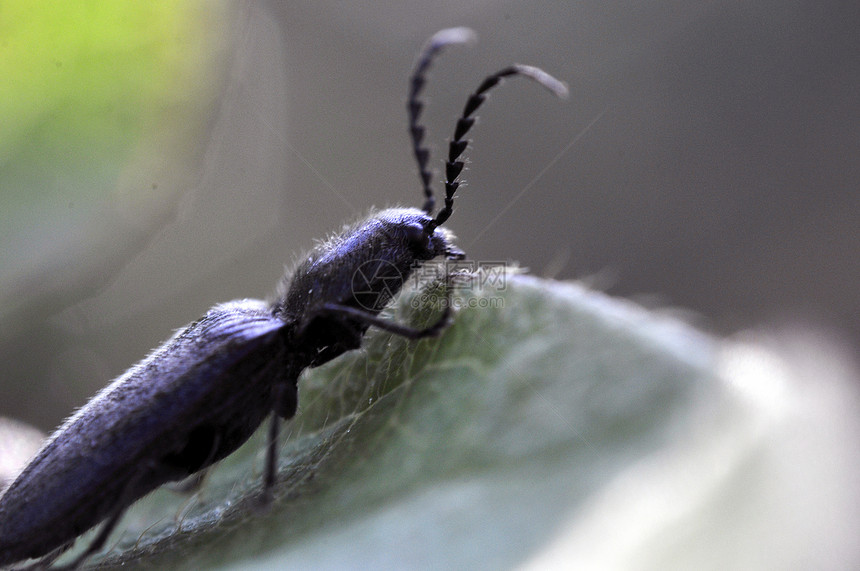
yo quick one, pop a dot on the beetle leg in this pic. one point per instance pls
(107, 528)
(109, 525)
(285, 399)
(397, 328)
(271, 474)
(45, 562)
(390, 326)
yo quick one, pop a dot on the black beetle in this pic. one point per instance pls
(202, 394)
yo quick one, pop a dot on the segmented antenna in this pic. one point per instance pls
(453, 166)
(415, 106)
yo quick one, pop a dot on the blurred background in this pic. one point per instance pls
(158, 158)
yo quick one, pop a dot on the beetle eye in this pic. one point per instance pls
(415, 235)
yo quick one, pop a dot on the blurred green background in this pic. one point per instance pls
(160, 157)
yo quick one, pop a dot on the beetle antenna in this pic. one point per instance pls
(415, 106)
(458, 144)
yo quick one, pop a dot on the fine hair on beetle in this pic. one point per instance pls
(206, 390)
